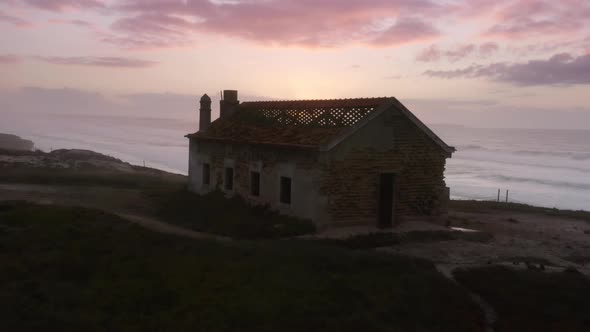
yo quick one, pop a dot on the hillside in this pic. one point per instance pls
(78, 167)
(208, 263)
(13, 142)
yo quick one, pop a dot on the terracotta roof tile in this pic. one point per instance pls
(295, 123)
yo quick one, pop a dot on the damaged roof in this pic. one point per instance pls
(313, 124)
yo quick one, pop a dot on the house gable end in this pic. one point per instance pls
(391, 105)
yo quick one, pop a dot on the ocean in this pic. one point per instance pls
(542, 167)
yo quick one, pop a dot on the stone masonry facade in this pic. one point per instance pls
(338, 185)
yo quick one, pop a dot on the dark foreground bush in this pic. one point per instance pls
(73, 269)
(213, 213)
(530, 300)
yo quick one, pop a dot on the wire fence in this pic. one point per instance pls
(499, 196)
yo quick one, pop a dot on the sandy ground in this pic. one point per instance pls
(557, 242)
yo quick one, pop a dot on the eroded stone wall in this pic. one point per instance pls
(339, 187)
(390, 145)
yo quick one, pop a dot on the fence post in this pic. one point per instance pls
(506, 195)
(498, 195)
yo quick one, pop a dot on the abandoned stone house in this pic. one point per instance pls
(365, 161)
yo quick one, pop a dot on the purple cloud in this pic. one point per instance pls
(9, 59)
(460, 52)
(60, 5)
(78, 23)
(524, 18)
(16, 21)
(113, 62)
(433, 53)
(560, 69)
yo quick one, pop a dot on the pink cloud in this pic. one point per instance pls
(430, 54)
(488, 49)
(307, 23)
(405, 31)
(113, 62)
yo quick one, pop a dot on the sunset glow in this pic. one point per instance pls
(519, 56)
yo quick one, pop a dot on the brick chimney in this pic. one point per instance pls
(205, 113)
(228, 103)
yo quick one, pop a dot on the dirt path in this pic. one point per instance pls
(166, 228)
(556, 242)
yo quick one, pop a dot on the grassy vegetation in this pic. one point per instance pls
(386, 239)
(89, 178)
(532, 301)
(73, 269)
(213, 213)
(481, 206)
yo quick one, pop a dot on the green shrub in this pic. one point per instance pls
(74, 269)
(214, 213)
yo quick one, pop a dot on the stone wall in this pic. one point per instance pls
(391, 144)
(341, 186)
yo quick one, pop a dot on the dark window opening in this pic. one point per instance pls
(206, 173)
(255, 183)
(229, 178)
(285, 190)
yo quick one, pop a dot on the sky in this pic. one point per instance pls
(504, 63)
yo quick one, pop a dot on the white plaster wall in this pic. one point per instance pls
(306, 201)
(195, 170)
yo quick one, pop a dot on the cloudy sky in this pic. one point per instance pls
(512, 63)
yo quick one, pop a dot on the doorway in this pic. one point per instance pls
(386, 199)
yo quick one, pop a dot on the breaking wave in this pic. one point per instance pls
(532, 153)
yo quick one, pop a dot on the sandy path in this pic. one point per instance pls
(166, 228)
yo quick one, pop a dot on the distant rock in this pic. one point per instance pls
(13, 142)
(74, 160)
(64, 159)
